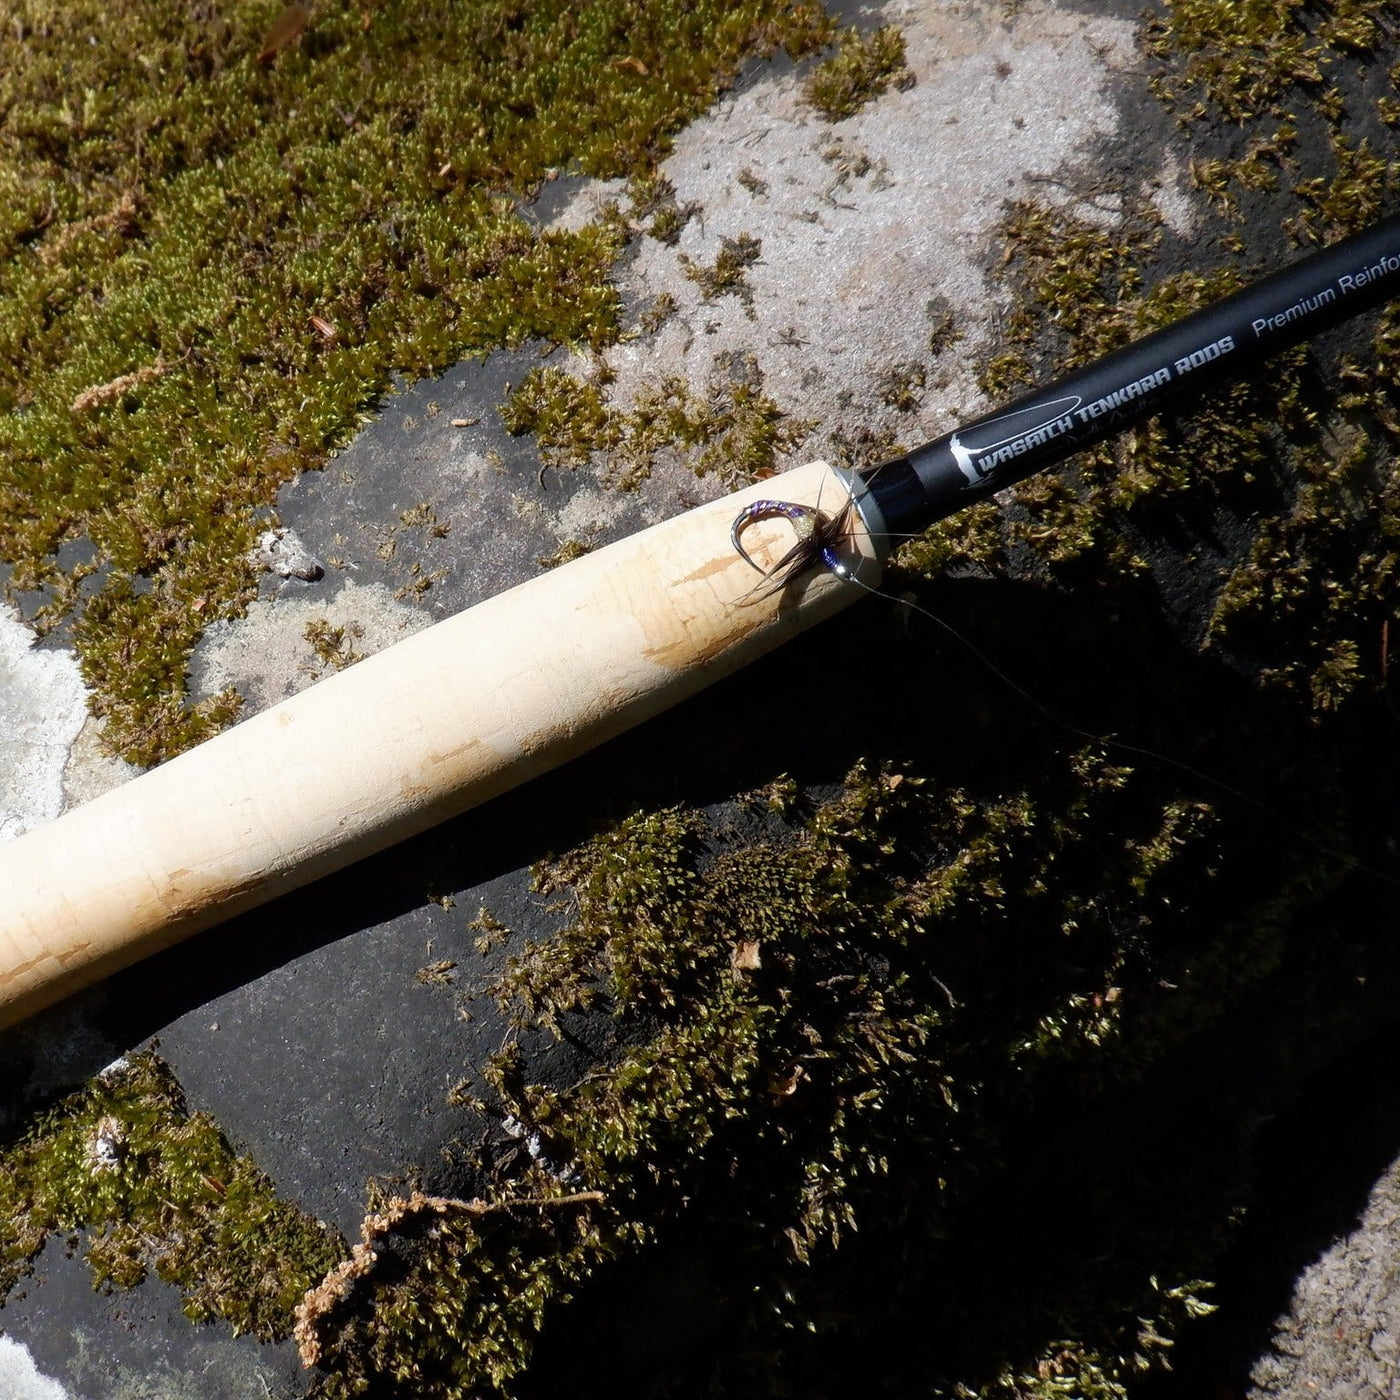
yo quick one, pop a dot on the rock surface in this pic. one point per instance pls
(305, 1029)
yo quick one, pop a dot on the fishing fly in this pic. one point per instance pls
(905, 495)
(818, 542)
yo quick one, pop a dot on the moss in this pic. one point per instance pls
(1253, 442)
(943, 331)
(568, 417)
(902, 385)
(1351, 197)
(653, 197)
(1250, 442)
(153, 1187)
(1073, 1371)
(794, 1074)
(1261, 66)
(970, 539)
(1308, 598)
(734, 431)
(848, 160)
(752, 183)
(662, 307)
(211, 268)
(334, 647)
(740, 429)
(457, 1289)
(727, 275)
(864, 66)
(570, 549)
(441, 973)
(1258, 169)
(1246, 60)
(1326, 570)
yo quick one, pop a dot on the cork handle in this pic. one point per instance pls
(422, 731)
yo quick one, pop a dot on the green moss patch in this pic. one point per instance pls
(152, 1187)
(802, 1106)
(1246, 61)
(734, 430)
(726, 276)
(210, 267)
(864, 66)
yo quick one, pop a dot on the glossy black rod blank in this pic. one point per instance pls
(1220, 341)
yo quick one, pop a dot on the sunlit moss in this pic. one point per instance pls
(210, 267)
(151, 1187)
(653, 197)
(727, 275)
(734, 430)
(902, 386)
(1249, 59)
(864, 66)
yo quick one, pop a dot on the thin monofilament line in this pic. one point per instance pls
(1351, 862)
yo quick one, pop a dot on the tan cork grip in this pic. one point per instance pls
(438, 723)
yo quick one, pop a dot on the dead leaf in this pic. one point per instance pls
(635, 64)
(100, 394)
(785, 1086)
(123, 218)
(744, 956)
(286, 29)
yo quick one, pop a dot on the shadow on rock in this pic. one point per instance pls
(307, 1029)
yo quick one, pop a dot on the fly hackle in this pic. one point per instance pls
(818, 538)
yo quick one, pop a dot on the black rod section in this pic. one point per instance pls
(1090, 404)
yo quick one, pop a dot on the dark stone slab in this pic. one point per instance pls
(136, 1344)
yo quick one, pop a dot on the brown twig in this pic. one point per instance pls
(336, 1286)
(122, 218)
(100, 394)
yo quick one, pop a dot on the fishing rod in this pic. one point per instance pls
(1225, 340)
(516, 685)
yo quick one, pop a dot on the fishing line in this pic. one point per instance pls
(842, 571)
(1227, 339)
(819, 539)
(1123, 745)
